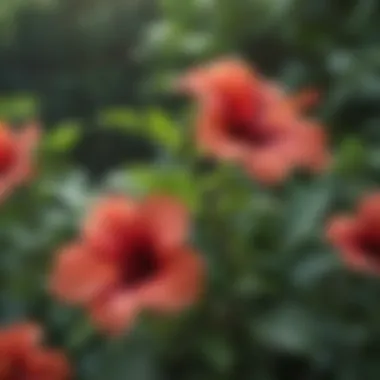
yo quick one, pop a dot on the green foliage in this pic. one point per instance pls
(162, 129)
(63, 137)
(119, 117)
(153, 124)
(176, 181)
(20, 107)
(279, 302)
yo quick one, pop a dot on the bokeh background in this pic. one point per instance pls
(279, 304)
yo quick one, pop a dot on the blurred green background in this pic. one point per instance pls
(99, 73)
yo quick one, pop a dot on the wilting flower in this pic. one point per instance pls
(16, 162)
(244, 118)
(131, 256)
(357, 237)
(23, 357)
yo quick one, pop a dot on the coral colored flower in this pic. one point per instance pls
(244, 118)
(22, 356)
(16, 149)
(131, 256)
(357, 237)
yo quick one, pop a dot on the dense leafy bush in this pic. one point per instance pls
(279, 303)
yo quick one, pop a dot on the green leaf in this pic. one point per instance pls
(314, 268)
(63, 137)
(162, 129)
(119, 117)
(131, 358)
(21, 106)
(79, 333)
(153, 124)
(218, 352)
(306, 209)
(175, 181)
(287, 328)
(351, 156)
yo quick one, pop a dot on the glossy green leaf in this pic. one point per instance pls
(174, 181)
(120, 117)
(162, 128)
(306, 209)
(351, 157)
(21, 107)
(289, 328)
(64, 136)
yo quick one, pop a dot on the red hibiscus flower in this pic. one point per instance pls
(16, 149)
(358, 237)
(132, 256)
(22, 356)
(244, 118)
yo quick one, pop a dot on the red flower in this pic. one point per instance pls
(16, 149)
(358, 237)
(244, 118)
(132, 256)
(22, 356)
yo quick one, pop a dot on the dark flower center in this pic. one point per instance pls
(141, 262)
(250, 134)
(369, 243)
(244, 125)
(7, 155)
(249, 131)
(12, 368)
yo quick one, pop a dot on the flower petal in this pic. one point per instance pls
(22, 168)
(313, 153)
(79, 277)
(232, 81)
(342, 234)
(211, 132)
(269, 165)
(341, 230)
(117, 312)
(167, 219)
(179, 284)
(22, 335)
(27, 140)
(369, 210)
(304, 100)
(29, 137)
(47, 365)
(106, 227)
